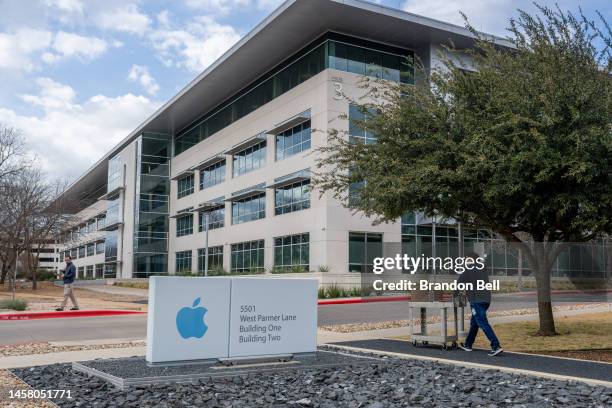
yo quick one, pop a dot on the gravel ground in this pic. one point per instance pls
(391, 324)
(9, 382)
(44, 348)
(388, 383)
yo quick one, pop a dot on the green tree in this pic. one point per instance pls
(522, 145)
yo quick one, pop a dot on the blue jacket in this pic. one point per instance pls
(69, 273)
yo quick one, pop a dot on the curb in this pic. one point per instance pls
(348, 301)
(67, 314)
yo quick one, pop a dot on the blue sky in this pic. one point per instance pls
(76, 76)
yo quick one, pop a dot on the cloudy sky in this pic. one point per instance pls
(76, 76)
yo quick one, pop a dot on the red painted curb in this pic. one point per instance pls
(68, 313)
(349, 301)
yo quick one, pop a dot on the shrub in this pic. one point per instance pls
(323, 268)
(16, 304)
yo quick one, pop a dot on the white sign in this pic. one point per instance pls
(205, 318)
(188, 318)
(273, 316)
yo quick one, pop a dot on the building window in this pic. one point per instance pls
(100, 247)
(91, 227)
(90, 249)
(249, 159)
(249, 209)
(292, 252)
(248, 257)
(185, 186)
(73, 253)
(293, 141)
(99, 271)
(183, 262)
(294, 197)
(216, 219)
(356, 119)
(215, 259)
(89, 270)
(184, 225)
(212, 175)
(101, 222)
(363, 248)
(80, 271)
(82, 252)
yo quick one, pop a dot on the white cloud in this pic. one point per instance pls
(18, 50)
(52, 95)
(226, 6)
(69, 6)
(140, 74)
(66, 45)
(196, 46)
(69, 137)
(126, 18)
(490, 16)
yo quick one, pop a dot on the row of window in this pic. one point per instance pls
(290, 252)
(287, 199)
(332, 51)
(86, 250)
(88, 227)
(90, 272)
(289, 142)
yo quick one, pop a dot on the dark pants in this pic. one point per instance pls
(479, 320)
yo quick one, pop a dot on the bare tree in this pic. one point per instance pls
(11, 151)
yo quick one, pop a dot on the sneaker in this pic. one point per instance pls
(74, 308)
(59, 309)
(464, 347)
(496, 352)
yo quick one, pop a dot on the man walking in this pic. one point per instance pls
(68, 276)
(480, 300)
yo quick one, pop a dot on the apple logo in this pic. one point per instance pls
(190, 321)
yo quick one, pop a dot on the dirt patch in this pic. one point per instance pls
(48, 297)
(25, 349)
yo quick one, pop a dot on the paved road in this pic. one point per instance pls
(134, 327)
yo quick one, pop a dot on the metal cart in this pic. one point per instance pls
(444, 337)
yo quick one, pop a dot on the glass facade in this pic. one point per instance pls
(249, 159)
(82, 252)
(292, 252)
(294, 197)
(356, 133)
(91, 248)
(248, 257)
(110, 246)
(99, 271)
(249, 209)
(115, 174)
(151, 213)
(212, 175)
(89, 271)
(215, 258)
(330, 51)
(184, 225)
(293, 141)
(100, 247)
(183, 262)
(185, 186)
(363, 248)
(216, 219)
(110, 270)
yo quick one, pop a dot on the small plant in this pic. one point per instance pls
(16, 304)
(323, 268)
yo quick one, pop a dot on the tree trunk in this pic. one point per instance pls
(547, 321)
(4, 273)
